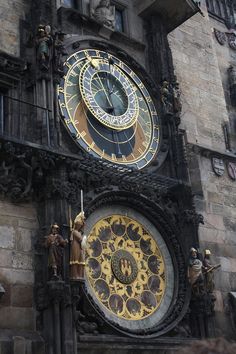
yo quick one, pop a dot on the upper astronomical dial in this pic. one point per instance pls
(108, 94)
(108, 110)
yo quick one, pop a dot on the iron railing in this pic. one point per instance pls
(25, 122)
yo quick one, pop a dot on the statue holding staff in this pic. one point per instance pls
(78, 245)
(55, 244)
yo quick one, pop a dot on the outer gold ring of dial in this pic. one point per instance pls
(139, 145)
(129, 117)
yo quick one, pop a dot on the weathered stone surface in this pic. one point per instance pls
(6, 298)
(230, 224)
(7, 236)
(228, 264)
(22, 261)
(19, 211)
(11, 12)
(22, 296)
(19, 345)
(219, 306)
(222, 280)
(214, 221)
(232, 280)
(5, 258)
(217, 208)
(15, 276)
(24, 240)
(17, 318)
(211, 235)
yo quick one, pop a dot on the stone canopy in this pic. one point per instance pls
(174, 12)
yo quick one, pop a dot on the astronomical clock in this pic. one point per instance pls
(108, 109)
(110, 113)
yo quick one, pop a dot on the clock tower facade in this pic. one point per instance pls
(98, 151)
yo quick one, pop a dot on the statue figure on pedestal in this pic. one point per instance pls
(55, 244)
(166, 98)
(103, 12)
(60, 51)
(208, 269)
(43, 43)
(78, 245)
(195, 275)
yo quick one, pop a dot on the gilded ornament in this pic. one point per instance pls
(125, 267)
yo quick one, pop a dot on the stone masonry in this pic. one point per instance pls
(18, 224)
(10, 14)
(201, 67)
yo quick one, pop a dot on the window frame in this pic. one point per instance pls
(123, 8)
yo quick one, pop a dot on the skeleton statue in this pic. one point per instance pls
(195, 275)
(208, 271)
(102, 11)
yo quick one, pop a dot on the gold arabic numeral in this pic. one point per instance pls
(98, 54)
(113, 157)
(68, 121)
(148, 98)
(124, 159)
(81, 134)
(156, 127)
(60, 89)
(141, 86)
(62, 105)
(91, 146)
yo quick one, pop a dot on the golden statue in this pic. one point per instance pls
(77, 250)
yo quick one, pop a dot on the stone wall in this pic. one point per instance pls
(10, 14)
(197, 69)
(18, 224)
(201, 68)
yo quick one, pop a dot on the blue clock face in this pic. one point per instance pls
(107, 108)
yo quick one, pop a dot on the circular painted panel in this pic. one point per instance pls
(129, 272)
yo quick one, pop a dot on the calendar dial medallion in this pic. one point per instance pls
(108, 110)
(127, 275)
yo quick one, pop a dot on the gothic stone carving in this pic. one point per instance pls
(103, 12)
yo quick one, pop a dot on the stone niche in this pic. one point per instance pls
(174, 12)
